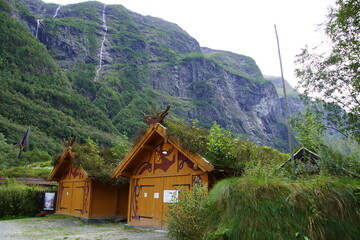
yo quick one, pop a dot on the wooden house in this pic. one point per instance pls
(81, 195)
(157, 167)
(308, 159)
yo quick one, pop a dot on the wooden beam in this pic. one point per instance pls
(125, 174)
(147, 146)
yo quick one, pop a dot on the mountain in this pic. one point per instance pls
(90, 69)
(295, 103)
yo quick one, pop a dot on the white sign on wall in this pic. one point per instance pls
(145, 194)
(156, 195)
(170, 196)
(49, 200)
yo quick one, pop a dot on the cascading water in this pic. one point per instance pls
(102, 43)
(39, 24)
(56, 12)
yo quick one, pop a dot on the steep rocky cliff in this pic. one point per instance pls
(124, 64)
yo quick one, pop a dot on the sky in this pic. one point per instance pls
(242, 26)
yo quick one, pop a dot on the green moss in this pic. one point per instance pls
(98, 162)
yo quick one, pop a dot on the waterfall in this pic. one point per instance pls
(39, 24)
(56, 12)
(102, 43)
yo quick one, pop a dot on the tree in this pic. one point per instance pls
(309, 129)
(334, 78)
(121, 147)
(8, 153)
(222, 146)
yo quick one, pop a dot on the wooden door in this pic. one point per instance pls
(77, 204)
(66, 197)
(146, 202)
(172, 186)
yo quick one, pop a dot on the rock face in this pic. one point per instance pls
(148, 63)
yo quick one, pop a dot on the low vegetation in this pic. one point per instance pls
(219, 147)
(253, 208)
(18, 199)
(269, 201)
(99, 162)
(250, 208)
(34, 170)
(186, 218)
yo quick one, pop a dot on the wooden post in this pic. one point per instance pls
(285, 101)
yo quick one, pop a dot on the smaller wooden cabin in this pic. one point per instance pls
(306, 161)
(157, 167)
(81, 195)
(309, 159)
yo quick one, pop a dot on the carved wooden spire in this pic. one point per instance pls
(152, 120)
(69, 143)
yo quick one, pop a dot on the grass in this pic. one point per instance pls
(34, 170)
(6, 218)
(250, 208)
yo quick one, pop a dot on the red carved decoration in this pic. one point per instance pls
(75, 173)
(165, 163)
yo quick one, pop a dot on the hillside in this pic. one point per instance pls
(91, 69)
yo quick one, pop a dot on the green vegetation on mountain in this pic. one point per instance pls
(277, 81)
(35, 92)
(49, 82)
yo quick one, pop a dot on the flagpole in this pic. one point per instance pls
(285, 101)
(23, 143)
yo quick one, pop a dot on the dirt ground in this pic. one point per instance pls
(63, 227)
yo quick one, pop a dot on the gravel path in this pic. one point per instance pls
(62, 227)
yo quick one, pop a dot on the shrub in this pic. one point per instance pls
(185, 217)
(340, 157)
(222, 146)
(18, 199)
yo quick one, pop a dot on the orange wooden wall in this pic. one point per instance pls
(74, 194)
(155, 174)
(109, 201)
(86, 198)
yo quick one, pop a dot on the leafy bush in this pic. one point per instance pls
(250, 208)
(7, 153)
(185, 217)
(18, 199)
(221, 146)
(340, 157)
(121, 147)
